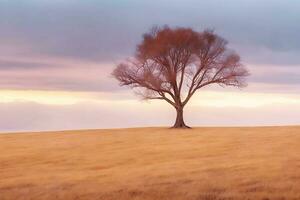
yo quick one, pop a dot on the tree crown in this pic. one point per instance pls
(172, 64)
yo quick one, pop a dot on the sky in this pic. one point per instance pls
(56, 59)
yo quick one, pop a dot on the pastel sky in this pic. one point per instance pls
(56, 57)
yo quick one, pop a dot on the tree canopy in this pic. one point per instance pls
(172, 64)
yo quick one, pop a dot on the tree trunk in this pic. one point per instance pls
(179, 123)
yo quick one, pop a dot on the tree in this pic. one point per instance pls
(172, 64)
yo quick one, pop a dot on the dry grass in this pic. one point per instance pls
(152, 163)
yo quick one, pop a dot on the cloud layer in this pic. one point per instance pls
(100, 32)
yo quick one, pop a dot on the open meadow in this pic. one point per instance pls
(152, 163)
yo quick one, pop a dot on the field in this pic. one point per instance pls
(152, 163)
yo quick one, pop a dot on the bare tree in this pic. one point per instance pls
(172, 64)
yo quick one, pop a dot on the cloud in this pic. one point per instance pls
(284, 74)
(54, 73)
(28, 116)
(108, 30)
(12, 65)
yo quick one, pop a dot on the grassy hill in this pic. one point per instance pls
(152, 163)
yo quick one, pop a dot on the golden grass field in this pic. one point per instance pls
(152, 163)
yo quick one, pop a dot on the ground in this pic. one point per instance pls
(152, 163)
